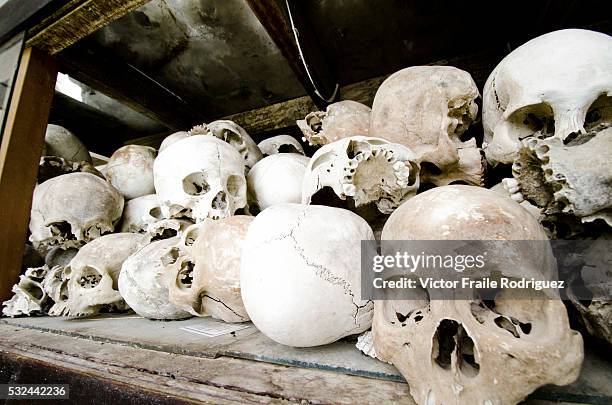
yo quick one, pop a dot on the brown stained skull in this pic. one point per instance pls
(475, 351)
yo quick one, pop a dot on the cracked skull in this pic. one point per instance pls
(89, 284)
(280, 144)
(234, 135)
(300, 274)
(459, 351)
(200, 177)
(130, 170)
(428, 109)
(145, 277)
(205, 280)
(559, 82)
(73, 209)
(340, 120)
(361, 170)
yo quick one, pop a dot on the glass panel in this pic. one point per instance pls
(10, 53)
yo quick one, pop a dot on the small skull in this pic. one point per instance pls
(363, 170)
(73, 209)
(340, 120)
(428, 109)
(559, 82)
(92, 276)
(280, 144)
(130, 170)
(200, 177)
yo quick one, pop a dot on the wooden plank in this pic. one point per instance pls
(80, 21)
(20, 150)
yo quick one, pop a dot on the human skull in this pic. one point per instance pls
(234, 135)
(560, 81)
(139, 213)
(64, 144)
(53, 166)
(474, 351)
(300, 274)
(29, 296)
(340, 120)
(170, 139)
(145, 277)
(280, 144)
(91, 278)
(276, 179)
(200, 177)
(428, 109)
(130, 170)
(205, 279)
(73, 209)
(364, 170)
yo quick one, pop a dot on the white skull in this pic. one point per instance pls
(92, 276)
(559, 81)
(427, 109)
(340, 120)
(472, 351)
(130, 170)
(200, 177)
(64, 144)
(363, 170)
(30, 298)
(277, 179)
(73, 209)
(280, 144)
(300, 274)
(205, 279)
(145, 277)
(139, 213)
(233, 134)
(170, 139)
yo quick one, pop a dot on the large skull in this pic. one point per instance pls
(30, 298)
(234, 135)
(300, 274)
(64, 144)
(200, 177)
(205, 279)
(363, 170)
(73, 209)
(280, 144)
(427, 109)
(277, 179)
(130, 170)
(145, 277)
(91, 278)
(340, 120)
(560, 81)
(473, 351)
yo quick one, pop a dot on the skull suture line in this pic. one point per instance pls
(428, 109)
(200, 177)
(560, 81)
(473, 351)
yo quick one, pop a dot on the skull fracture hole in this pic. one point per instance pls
(451, 338)
(185, 274)
(196, 184)
(90, 278)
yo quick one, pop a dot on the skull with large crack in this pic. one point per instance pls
(340, 120)
(429, 109)
(559, 82)
(200, 177)
(89, 284)
(73, 209)
(205, 278)
(478, 351)
(363, 171)
(300, 274)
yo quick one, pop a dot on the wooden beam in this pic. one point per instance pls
(81, 18)
(22, 142)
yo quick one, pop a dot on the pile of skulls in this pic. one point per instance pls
(214, 224)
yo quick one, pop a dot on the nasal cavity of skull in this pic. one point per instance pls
(89, 277)
(62, 229)
(533, 118)
(185, 274)
(220, 201)
(196, 184)
(170, 256)
(451, 337)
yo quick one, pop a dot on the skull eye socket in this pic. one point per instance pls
(89, 278)
(196, 184)
(600, 111)
(234, 185)
(533, 118)
(184, 278)
(156, 213)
